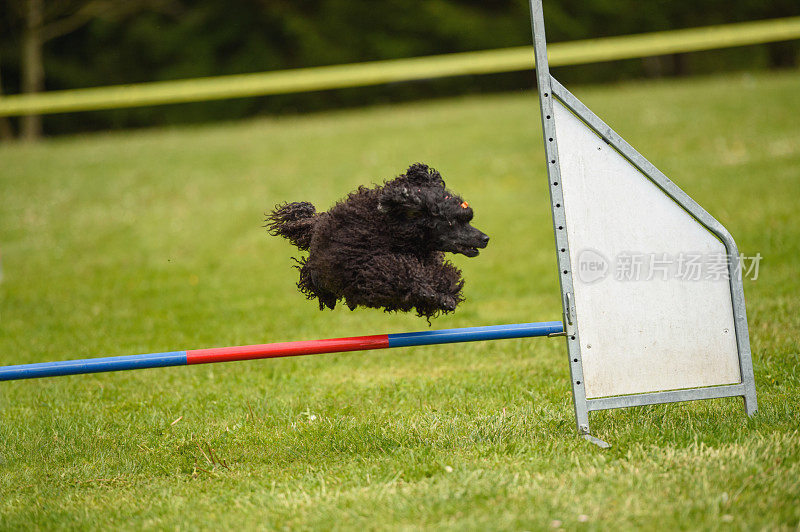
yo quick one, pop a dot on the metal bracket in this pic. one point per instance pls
(569, 307)
(597, 441)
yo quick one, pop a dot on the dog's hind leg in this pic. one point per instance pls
(310, 286)
(326, 298)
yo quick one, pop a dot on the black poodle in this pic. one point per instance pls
(383, 247)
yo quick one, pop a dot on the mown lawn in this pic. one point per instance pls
(151, 241)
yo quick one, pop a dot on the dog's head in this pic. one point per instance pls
(419, 199)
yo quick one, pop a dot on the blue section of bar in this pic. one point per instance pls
(475, 334)
(92, 365)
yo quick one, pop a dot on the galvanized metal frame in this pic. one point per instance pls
(559, 218)
(549, 88)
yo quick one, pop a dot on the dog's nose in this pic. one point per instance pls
(484, 239)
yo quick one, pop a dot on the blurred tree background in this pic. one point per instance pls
(63, 44)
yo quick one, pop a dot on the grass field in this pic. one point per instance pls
(151, 241)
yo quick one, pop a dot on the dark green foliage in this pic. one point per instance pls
(186, 39)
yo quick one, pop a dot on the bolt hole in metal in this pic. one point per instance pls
(555, 183)
(559, 205)
(574, 359)
(560, 227)
(563, 250)
(550, 139)
(548, 117)
(553, 161)
(565, 272)
(577, 382)
(545, 95)
(571, 337)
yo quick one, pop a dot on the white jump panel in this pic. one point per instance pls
(648, 322)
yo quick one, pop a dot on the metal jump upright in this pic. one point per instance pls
(634, 342)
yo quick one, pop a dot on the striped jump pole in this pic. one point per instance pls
(278, 350)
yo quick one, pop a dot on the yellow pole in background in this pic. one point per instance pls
(379, 72)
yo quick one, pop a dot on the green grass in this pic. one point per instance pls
(149, 241)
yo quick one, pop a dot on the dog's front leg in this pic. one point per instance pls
(404, 283)
(447, 283)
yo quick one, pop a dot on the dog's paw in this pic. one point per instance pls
(433, 301)
(428, 295)
(448, 303)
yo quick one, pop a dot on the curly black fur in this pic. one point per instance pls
(383, 247)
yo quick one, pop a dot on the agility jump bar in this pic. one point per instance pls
(278, 350)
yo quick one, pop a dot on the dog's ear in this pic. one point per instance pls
(401, 200)
(419, 174)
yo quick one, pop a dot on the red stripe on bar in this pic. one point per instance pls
(286, 349)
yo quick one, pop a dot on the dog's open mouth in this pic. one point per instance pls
(468, 251)
(469, 247)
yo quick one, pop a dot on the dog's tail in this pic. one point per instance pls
(294, 222)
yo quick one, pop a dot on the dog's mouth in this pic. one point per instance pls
(469, 251)
(468, 245)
